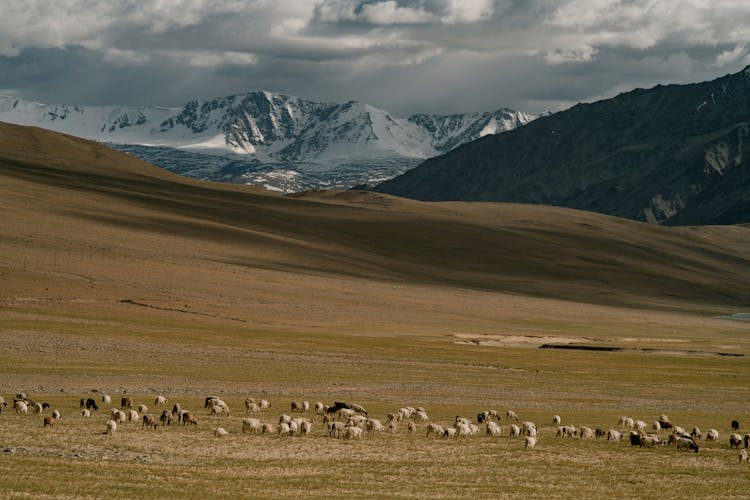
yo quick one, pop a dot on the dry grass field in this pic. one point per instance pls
(117, 277)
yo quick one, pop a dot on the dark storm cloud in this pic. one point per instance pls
(405, 56)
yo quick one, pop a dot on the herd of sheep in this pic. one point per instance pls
(351, 421)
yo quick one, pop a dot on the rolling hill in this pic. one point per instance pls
(83, 220)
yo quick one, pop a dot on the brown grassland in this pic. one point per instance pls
(117, 277)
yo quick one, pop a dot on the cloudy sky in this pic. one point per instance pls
(406, 56)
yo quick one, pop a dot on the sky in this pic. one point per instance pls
(405, 56)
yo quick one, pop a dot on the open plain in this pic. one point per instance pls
(119, 278)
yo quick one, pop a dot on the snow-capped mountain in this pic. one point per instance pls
(273, 140)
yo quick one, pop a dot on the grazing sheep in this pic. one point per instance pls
(285, 419)
(635, 439)
(530, 442)
(613, 435)
(621, 421)
(49, 421)
(566, 431)
(142, 409)
(85, 413)
(493, 429)
(449, 432)
(393, 416)
(510, 414)
(481, 417)
(319, 408)
(639, 425)
(38, 408)
(267, 429)
(407, 412)
(586, 432)
(374, 425)
(133, 416)
(305, 406)
(353, 433)
(687, 443)
(434, 429)
(656, 426)
(357, 421)
(494, 414)
(296, 406)
(126, 403)
(251, 425)
(735, 425)
(600, 433)
(3, 403)
(649, 441)
(357, 408)
(188, 418)
(264, 404)
(629, 423)
(712, 435)
(664, 422)
(293, 427)
(735, 440)
(210, 401)
(392, 426)
(21, 407)
(111, 427)
(515, 431)
(252, 408)
(461, 420)
(696, 433)
(672, 439)
(421, 415)
(160, 400)
(412, 427)
(556, 420)
(335, 428)
(106, 399)
(115, 414)
(56, 415)
(345, 413)
(305, 427)
(529, 428)
(122, 416)
(165, 418)
(219, 410)
(220, 432)
(744, 457)
(284, 429)
(148, 421)
(678, 430)
(89, 404)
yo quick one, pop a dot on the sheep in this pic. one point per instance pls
(284, 429)
(210, 401)
(392, 426)
(510, 414)
(148, 421)
(449, 432)
(434, 429)
(494, 414)
(111, 427)
(515, 431)
(393, 416)
(529, 428)
(267, 429)
(122, 416)
(251, 425)
(586, 432)
(357, 408)
(38, 408)
(556, 420)
(664, 422)
(305, 427)
(621, 421)
(530, 442)
(493, 429)
(421, 416)
(481, 417)
(188, 418)
(133, 416)
(566, 431)
(335, 428)
(461, 420)
(165, 418)
(285, 419)
(21, 407)
(49, 421)
(56, 415)
(747, 440)
(219, 410)
(85, 413)
(374, 425)
(600, 433)
(3, 403)
(649, 441)
(613, 435)
(463, 430)
(639, 425)
(126, 403)
(353, 433)
(744, 457)
(319, 408)
(735, 440)
(345, 413)
(106, 399)
(678, 430)
(687, 443)
(696, 433)
(293, 427)
(635, 439)
(252, 407)
(160, 401)
(735, 425)
(712, 435)
(407, 412)
(220, 432)
(656, 426)
(629, 423)
(412, 427)
(296, 406)
(142, 409)
(89, 404)
(264, 404)
(357, 421)
(115, 414)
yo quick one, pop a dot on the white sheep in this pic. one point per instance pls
(493, 429)
(267, 429)
(264, 404)
(696, 433)
(21, 407)
(106, 399)
(374, 425)
(556, 420)
(586, 432)
(56, 415)
(392, 426)
(407, 412)
(293, 427)
(252, 425)
(744, 457)
(529, 428)
(712, 435)
(142, 409)
(111, 427)
(335, 428)
(319, 408)
(305, 406)
(640, 425)
(435, 429)
(421, 416)
(354, 432)
(449, 432)
(345, 413)
(515, 431)
(530, 441)
(412, 427)
(284, 429)
(85, 413)
(464, 430)
(511, 415)
(305, 427)
(678, 430)
(160, 400)
(613, 435)
(38, 408)
(219, 410)
(735, 440)
(220, 432)
(133, 416)
(285, 419)
(252, 408)
(122, 416)
(656, 426)
(358, 408)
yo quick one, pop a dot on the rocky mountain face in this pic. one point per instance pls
(675, 154)
(273, 140)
